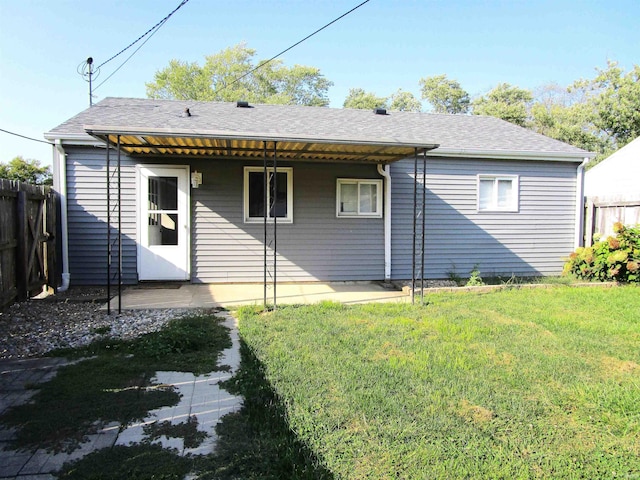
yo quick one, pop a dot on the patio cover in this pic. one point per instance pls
(169, 142)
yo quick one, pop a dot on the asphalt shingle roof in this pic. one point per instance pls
(468, 133)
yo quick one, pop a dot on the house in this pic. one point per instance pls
(612, 188)
(185, 194)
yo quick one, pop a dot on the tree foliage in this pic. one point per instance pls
(615, 97)
(505, 101)
(231, 75)
(358, 98)
(563, 114)
(402, 101)
(444, 95)
(29, 171)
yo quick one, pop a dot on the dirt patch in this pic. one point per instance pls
(475, 413)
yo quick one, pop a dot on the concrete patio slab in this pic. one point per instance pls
(233, 295)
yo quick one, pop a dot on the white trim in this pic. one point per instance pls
(79, 139)
(510, 154)
(245, 187)
(60, 184)
(385, 172)
(579, 232)
(513, 207)
(359, 182)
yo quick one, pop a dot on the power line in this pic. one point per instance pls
(24, 136)
(82, 68)
(128, 58)
(157, 25)
(289, 48)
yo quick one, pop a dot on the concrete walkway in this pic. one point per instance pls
(201, 396)
(234, 295)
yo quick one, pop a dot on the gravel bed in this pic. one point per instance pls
(73, 319)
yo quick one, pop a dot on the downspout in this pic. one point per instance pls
(384, 171)
(60, 159)
(579, 233)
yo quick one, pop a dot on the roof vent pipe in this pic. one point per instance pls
(242, 104)
(380, 111)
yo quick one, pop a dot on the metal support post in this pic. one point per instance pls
(275, 222)
(264, 203)
(415, 208)
(108, 230)
(119, 232)
(424, 216)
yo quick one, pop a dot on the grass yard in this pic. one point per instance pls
(512, 384)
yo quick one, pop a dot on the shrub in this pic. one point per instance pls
(614, 258)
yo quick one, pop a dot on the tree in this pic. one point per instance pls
(563, 114)
(402, 101)
(444, 95)
(358, 98)
(615, 98)
(29, 171)
(507, 102)
(232, 75)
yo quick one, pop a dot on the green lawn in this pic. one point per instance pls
(512, 384)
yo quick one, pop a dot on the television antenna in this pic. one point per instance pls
(85, 69)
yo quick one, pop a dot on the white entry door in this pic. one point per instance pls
(163, 249)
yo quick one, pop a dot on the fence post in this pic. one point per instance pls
(51, 273)
(22, 274)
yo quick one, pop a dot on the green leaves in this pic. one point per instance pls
(506, 102)
(358, 98)
(446, 96)
(29, 171)
(615, 258)
(232, 75)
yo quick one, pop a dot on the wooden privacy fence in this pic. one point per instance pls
(602, 212)
(27, 240)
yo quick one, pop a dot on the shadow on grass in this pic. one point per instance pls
(253, 443)
(256, 442)
(115, 384)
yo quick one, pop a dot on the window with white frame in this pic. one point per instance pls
(279, 190)
(359, 198)
(497, 193)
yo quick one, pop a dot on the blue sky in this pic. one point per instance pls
(383, 46)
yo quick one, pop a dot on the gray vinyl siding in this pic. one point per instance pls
(87, 216)
(532, 241)
(317, 246)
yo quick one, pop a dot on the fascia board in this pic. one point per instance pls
(80, 139)
(511, 155)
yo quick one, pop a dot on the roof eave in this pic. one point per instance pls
(577, 156)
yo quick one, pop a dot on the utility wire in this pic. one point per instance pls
(292, 46)
(157, 25)
(128, 58)
(152, 31)
(24, 136)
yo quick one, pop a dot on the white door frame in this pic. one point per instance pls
(144, 252)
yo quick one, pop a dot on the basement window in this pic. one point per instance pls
(279, 194)
(497, 193)
(359, 198)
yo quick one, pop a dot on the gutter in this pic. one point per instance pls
(384, 171)
(60, 183)
(510, 154)
(579, 233)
